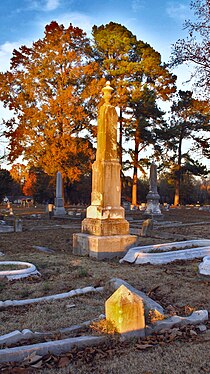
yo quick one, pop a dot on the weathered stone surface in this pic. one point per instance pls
(125, 310)
(105, 227)
(105, 215)
(165, 258)
(15, 336)
(149, 304)
(101, 247)
(59, 203)
(147, 227)
(140, 252)
(204, 267)
(18, 225)
(153, 206)
(195, 318)
(54, 347)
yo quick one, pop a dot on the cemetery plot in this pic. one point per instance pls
(178, 287)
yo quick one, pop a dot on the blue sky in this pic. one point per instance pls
(158, 22)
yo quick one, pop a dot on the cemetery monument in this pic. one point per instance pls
(105, 231)
(153, 205)
(59, 203)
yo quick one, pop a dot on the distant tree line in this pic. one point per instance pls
(41, 187)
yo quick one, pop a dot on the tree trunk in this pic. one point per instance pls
(178, 172)
(135, 176)
(177, 191)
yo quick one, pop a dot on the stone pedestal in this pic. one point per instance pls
(153, 206)
(101, 247)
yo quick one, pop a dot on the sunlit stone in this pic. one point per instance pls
(125, 311)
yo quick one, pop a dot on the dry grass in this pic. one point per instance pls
(177, 284)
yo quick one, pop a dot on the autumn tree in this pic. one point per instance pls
(139, 79)
(195, 48)
(48, 89)
(39, 185)
(189, 124)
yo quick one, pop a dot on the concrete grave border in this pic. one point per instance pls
(22, 353)
(140, 255)
(29, 270)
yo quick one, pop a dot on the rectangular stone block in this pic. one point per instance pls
(105, 227)
(101, 247)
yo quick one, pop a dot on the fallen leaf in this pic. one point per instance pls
(63, 362)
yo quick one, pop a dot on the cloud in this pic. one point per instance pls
(6, 50)
(137, 4)
(52, 4)
(177, 11)
(44, 5)
(77, 19)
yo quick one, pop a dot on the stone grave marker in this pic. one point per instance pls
(125, 311)
(153, 205)
(59, 204)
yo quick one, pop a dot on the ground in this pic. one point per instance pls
(178, 287)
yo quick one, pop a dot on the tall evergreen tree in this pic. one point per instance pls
(139, 79)
(189, 124)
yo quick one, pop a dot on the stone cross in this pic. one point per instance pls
(59, 204)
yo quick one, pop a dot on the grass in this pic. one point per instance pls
(174, 285)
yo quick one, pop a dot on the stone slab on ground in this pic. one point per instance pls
(101, 247)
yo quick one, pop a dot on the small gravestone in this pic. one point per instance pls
(125, 311)
(204, 267)
(147, 227)
(59, 203)
(153, 205)
(18, 225)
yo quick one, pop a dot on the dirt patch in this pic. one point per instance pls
(177, 287)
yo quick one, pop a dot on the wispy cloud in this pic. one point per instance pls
(177, 11)
(77, 19)
(52, 4)
(6, 50)
(43, 5)
(137, 4)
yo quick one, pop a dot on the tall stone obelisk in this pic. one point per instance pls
(59, 204)
(153, 198)
(105, 232)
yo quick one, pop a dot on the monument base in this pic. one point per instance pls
(105, 227)
(101, 247)
(59, 211)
